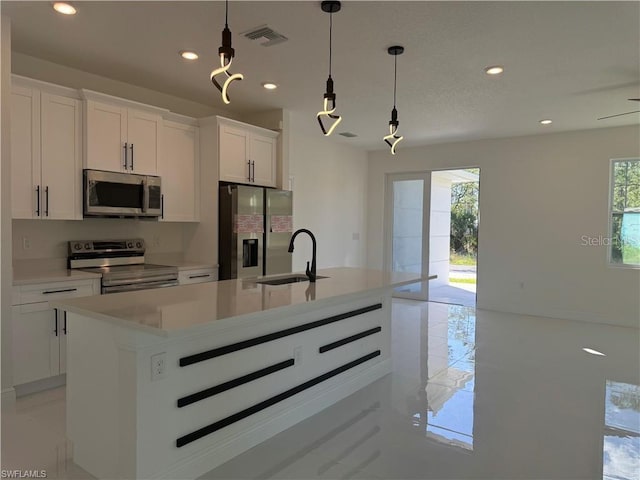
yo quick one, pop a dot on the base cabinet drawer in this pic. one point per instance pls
(54, 291)
(187, 277)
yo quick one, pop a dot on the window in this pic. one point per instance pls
(625, 212)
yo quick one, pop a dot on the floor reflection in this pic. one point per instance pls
(621, 449)
(473, 394)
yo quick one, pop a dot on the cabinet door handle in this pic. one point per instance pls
(46, 198)
(162, 205)
(55, 329)
(64, 329)
(205, 275)
(126, 164)
(132, 156)
(249, 167)
(253, 170)
(38, 200)
(47, 292)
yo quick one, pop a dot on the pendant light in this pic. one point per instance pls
(393, 138)
(329, 105)
(226, 53)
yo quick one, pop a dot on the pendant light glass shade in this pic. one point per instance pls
(393, 138)
(226, 53)
(329, 105)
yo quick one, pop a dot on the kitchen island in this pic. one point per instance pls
(170, 383)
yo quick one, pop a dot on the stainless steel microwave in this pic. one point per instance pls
(113, 194)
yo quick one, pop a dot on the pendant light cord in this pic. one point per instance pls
(330, 42)
(226, 13)
(395, 78)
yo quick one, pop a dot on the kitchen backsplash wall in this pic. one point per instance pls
(48, 239)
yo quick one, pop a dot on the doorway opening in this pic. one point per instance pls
(453, 236)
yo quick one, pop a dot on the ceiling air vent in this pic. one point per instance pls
(348, 134)
(271, 36)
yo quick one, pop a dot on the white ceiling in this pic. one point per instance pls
(568, 61)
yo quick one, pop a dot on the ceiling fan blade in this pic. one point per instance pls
(619, 114)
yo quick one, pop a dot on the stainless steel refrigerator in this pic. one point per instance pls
(254, 232)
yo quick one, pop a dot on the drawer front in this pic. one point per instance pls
(44, 292)
(187, 277)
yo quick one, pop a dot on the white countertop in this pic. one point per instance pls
(176, 260)
(167, 311)
(31, 274)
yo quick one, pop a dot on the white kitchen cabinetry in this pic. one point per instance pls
(40, 332)
(121, 138)
(179, 168)
(197, 275)
(46, 148)
(247, 154)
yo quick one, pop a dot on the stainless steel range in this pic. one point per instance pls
(121, 263)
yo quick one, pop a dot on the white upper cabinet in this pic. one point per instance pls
(120, 137)
(247, 154)
(106, 135)
(144, 137)
(25, 152)
(46, 148)
(263, 158)
(61, 131)
(179, 167)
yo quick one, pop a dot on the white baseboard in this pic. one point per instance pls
(8, 399)
(40, 385)
(560, 314)
(307, 405)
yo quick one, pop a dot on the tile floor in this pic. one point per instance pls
(473, 394)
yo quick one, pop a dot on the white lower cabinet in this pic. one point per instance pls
(39, 332)
(199, 275)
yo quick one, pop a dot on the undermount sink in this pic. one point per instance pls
(290, 279)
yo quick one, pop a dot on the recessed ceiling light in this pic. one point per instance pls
(188, 55)
(64, 8)
(594, 352)
(269, 85)
(546, 122)
(494, 70)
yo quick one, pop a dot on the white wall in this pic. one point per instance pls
(48, 239)
(46, 71)
(440, 229)
(8, 394)
(538, 196)
(329, 198)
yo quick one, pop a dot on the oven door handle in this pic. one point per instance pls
(140, 286)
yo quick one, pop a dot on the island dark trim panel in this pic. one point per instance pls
(352, 338)
(234, 347)
(236, 382)
(213, 427)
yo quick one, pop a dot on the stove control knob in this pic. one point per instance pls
(77, 246)
(87, 246)
(130, 244)
(138, 244)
